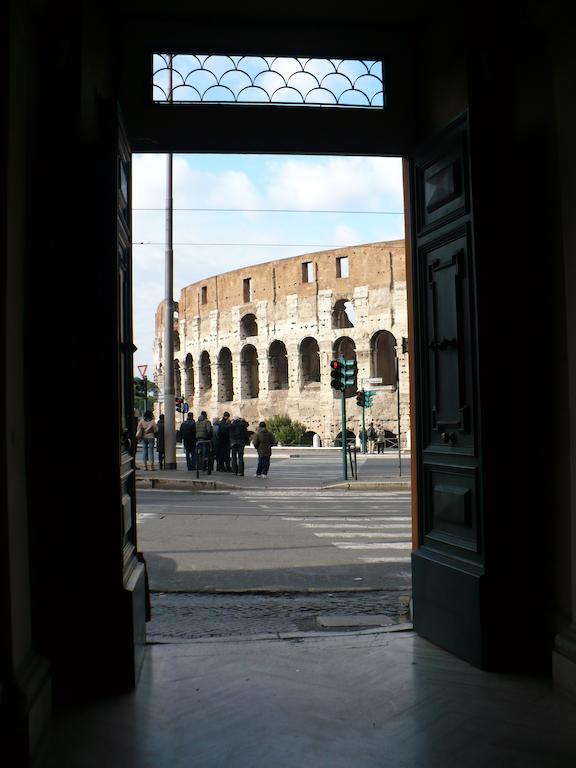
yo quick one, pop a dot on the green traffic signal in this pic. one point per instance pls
(349, 373)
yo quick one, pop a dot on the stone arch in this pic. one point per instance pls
(205, 371)
(177, 380)
(249, 381)
(277, 366)
(189, 377)
(350, 438)
(342, 314)
(345, 347)
(248, 326)
(383, 357)
(225, 376)
(309, 361)
(308, 438)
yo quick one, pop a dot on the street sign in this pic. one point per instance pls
(143, 369)
(373, 380)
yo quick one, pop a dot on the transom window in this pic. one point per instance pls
(278, 80)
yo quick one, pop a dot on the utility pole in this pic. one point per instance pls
(169, 404)
(398, 401)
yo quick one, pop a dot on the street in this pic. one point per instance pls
(275, 540)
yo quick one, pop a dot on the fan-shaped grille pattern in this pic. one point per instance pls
(281, 81)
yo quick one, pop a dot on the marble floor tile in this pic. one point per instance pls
(381, 700)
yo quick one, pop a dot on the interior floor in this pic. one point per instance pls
(353, 700)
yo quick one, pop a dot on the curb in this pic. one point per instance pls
(174, 484)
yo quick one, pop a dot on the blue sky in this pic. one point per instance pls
(215, 241)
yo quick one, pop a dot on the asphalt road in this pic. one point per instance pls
(275, 541)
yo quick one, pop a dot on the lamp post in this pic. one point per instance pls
(169, 400)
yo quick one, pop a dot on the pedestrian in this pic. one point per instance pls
(371, 434)
(215, 443)
(188, 435)
(147, 431)
(223, 449)
(204, 438)
(239, 439)
(263, 442)
(160, 441)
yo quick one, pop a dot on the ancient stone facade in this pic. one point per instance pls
(258, 341)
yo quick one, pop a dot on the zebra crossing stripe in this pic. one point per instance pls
(386, 559)
(359, 534)
(374, 545)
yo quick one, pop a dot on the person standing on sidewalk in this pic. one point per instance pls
(160, 441)
(371, 434)
(147, 431)
(263, 442)
(223, 449)
(188, 434)
(238, 441)
(204, 437)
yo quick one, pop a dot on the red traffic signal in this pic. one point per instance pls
(336, 374)
(361, 398)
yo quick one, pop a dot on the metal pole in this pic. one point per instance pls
(363, 425)
(145, 393)
(344, 437)
(398, 431)
(169, 404)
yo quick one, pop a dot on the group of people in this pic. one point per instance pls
(223, 440)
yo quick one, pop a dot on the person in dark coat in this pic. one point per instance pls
(223, 446)
(204, 437)
(238, 441)
(188, 434)
(263, 442)
(160, 441)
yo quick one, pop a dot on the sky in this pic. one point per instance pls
(289, 205)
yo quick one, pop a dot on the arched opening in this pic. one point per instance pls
(309, 362)
(177, 380)
(277, 366)
(311, 438)
(248, 326)
(205, 370)
(343, 315)
(249, 382)
(350, 438)
(225, 376)
(383, 357)
(345, 347)
(188, 377)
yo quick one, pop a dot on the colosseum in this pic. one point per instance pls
(258, 341)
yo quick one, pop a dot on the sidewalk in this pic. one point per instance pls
(291, 468)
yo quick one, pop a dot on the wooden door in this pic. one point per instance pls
(448, 564)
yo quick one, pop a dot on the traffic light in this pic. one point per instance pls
(360, 399)
(350, 371)
(368, 398)
(178, 401)
(336, 374)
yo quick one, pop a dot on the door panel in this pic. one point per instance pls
(135, 586)
(448, 566)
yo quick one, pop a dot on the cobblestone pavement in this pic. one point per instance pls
(190, 616)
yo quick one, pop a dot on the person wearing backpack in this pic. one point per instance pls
(371, 434)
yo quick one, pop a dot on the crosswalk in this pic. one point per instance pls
(381, 531)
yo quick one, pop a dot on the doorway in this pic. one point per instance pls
(306, 545)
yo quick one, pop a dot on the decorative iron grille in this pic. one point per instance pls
(281, 81)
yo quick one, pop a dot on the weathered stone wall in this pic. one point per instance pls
(250, 372)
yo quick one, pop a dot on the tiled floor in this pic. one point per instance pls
(348, 701)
